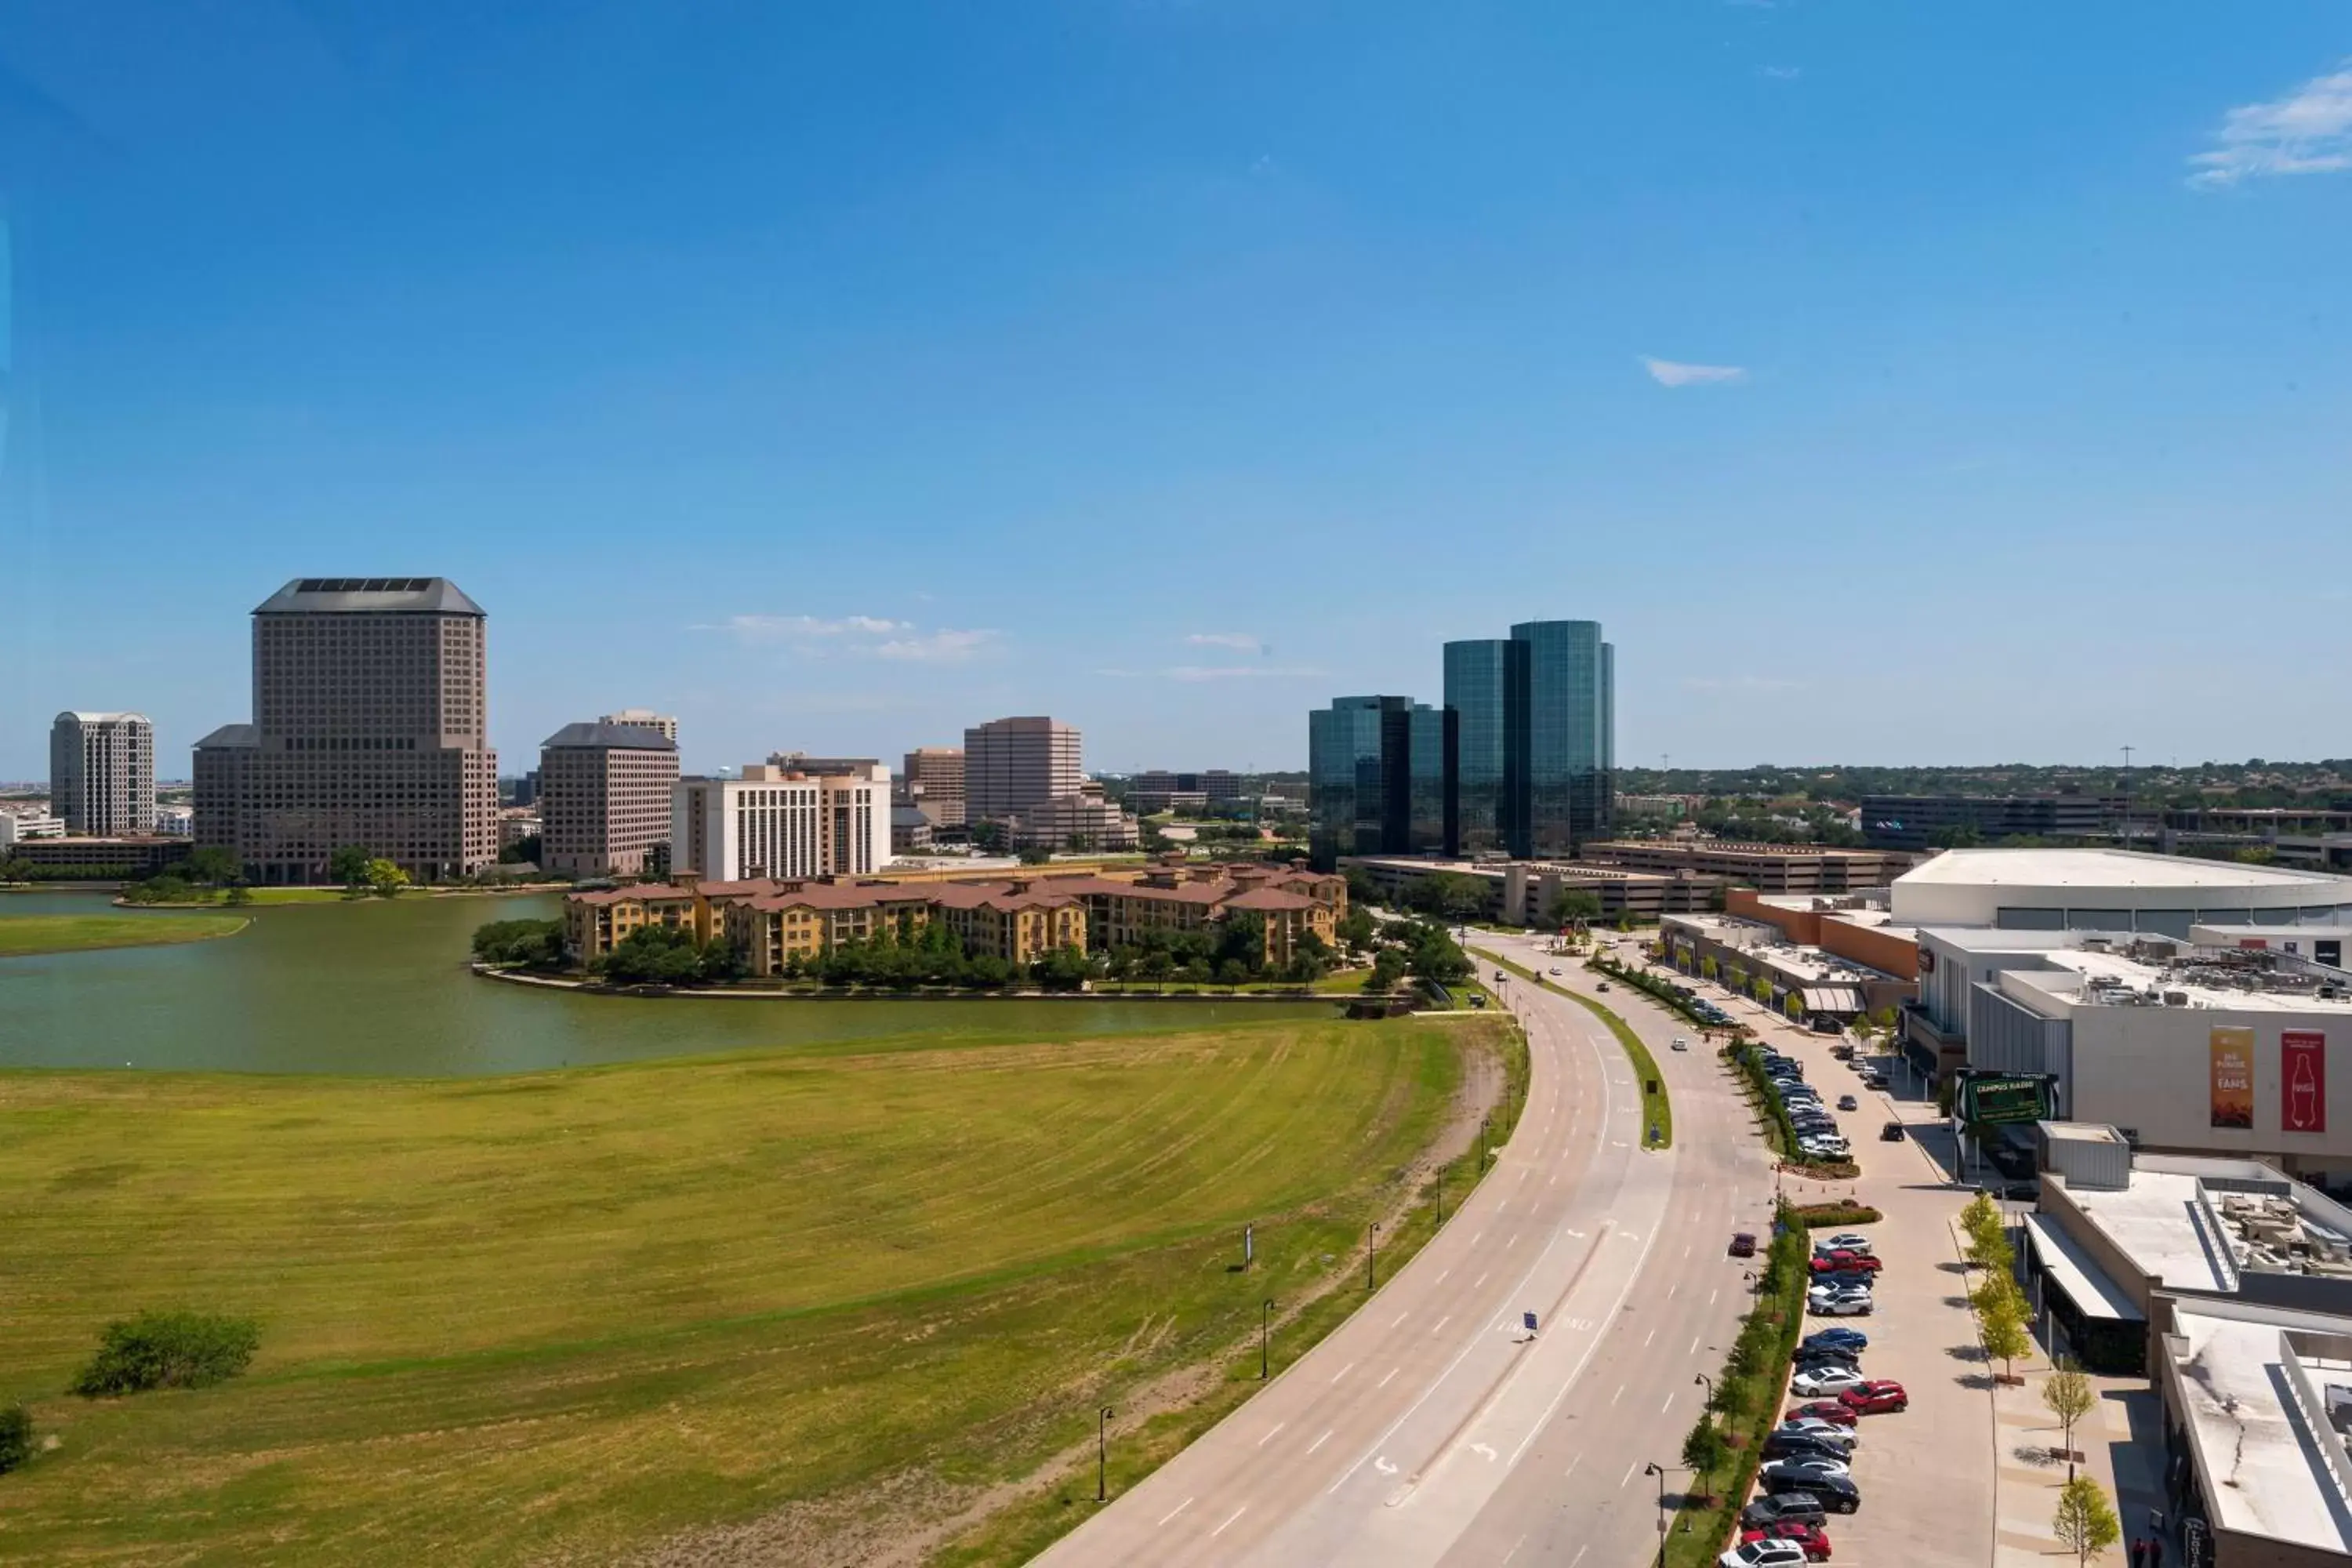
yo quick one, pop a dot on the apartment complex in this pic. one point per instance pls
(780, 821)
(102, 774)
(1766, 867)
(931, 781)
(663, 724)
(1011, 765)
(1376, 767)
(604, 798)
(370, 730)
(1018, 919)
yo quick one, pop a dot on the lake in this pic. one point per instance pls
(379, 988)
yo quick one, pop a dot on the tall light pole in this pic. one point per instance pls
(1655, 1469)
(1102, 1456)
(1371, 1231)
(1264, 1338)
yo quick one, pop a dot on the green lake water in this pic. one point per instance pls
(381, 989)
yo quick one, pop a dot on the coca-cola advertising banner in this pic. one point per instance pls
(2303, 1081)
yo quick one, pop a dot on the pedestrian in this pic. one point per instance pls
(2138, 1552)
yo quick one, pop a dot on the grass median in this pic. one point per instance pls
(1657, 1106)
(844, 1298)
(22, 935)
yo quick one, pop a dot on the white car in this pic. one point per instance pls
(1814, 1426)
(1681, 1043)
(1835, 1303)
(1825, 1383)
(1764, 1554)
(1846, 1241)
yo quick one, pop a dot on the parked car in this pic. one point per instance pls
(1891, 1133)
(1876, 1396)
(1841, 1303)
(1836, 1412)
(1602, 987)
(1844, 1280)
(1743, 1243)
(1555, 969)
(1808, 1361)
(1824, 1381)
(1810, 1539)
(1782, 1508)
(1848, 1102)
(1846, 1241)
(1779, 1445)
(1834, 1494)
(1681, 1044)
(1764, 1554)
(1809, 1470)
(1853, 1337)
(1822, 1427)
(1846, 1259)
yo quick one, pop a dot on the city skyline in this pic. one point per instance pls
(1876, 297)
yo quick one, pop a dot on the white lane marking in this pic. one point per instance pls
(1550, 1179)
(1510, 1244)
(1440, 1279)
(1579, 1555)
(1229, 1523)
(1572, 1467)
(1648, 1337)
(1474, 1235)
(1343, 1372)
(1687, 1248)
(1382, 1384)
(1522, 1541)
(1327, 1435)
(1694, 1338)
(1501, 1206)
(1173, 1512)
(1669, 1404)
(1486, 1450)
(1711, 1295)
(1483, 1278)
(1670, 1289)
(1276, 1427)
(1629, 1475)
(1443, 1321)
(1384, 1465)
(1618, 1396)
(1401, 1317)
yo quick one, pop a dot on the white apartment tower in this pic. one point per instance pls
(102, 774)
(784, 822)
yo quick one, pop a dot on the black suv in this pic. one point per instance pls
(1834, 1493)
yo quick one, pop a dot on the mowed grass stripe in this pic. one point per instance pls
(562, 1315)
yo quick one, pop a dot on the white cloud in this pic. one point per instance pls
(796, 628)
(942, 647)
(1198, 672)
(2308, 132)
(1670, 372)
(1245, 642)
(1780, 73)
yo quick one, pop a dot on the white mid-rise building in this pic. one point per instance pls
(780, 822)
(102, 774)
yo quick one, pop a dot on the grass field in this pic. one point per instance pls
(22, 934)
(847, 1293)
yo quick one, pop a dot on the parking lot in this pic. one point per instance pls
(1926, 1474)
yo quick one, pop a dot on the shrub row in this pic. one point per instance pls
(1837, 1215)
(1755, 1374)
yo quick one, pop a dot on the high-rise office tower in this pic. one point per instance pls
(1571, 728)
(1011, 765)
(369, 730)
(1376, 774)
(102, 774)
(1485, 687)
(932, 781)
(604, 798)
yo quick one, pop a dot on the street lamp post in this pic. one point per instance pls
(1482, 1143)
(1441, 1194)
(1102, 1455)
(1264, 1339)
(1655, 1469)
(1371, 1231)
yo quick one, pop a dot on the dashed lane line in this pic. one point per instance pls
(1229, 1523)
(1276, 1427)
(1173, 1512)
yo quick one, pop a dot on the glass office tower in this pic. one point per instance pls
(1570, 715)
(1486, 684)
(1376, 772)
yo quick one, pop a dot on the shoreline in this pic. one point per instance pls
(874, 994)
(180, 939)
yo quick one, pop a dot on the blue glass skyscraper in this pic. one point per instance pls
(1570, 717)
(1376, 767)
(1486, 684)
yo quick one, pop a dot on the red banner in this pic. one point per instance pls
(2303, 1081)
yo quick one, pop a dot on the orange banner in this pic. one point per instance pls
(2233, 1052)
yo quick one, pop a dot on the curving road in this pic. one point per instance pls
(1431, 1427)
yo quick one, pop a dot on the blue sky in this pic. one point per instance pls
(1897, 383)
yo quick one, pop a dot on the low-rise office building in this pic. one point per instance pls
(1085, 822)
(125, 860)
(1521, 892)
(605, 801)
(16, 826)
(1918, 822)
(1766, 867)
(1809, 984)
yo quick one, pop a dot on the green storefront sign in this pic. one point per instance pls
(2006, 1097)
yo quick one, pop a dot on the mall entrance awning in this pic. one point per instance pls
(2072, 1271)
(1845, 1000)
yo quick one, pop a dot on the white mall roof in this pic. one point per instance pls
(2089, 868)
(2152, 1223)
(2102, 890)
(2268, 1468)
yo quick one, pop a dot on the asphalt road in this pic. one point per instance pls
(1431, 1427)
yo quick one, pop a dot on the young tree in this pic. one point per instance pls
(2069, 1396)
(2085, 1522)
(1703, 1450)
(2002, 1319)
(349, 865)
(1978, 1221)
(384, 879)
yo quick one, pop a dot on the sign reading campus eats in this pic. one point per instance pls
(2232, 1050)
(2303, 1081)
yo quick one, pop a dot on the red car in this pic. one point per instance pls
(1829, 1410)
(1841, 1262)
(1811, 1539)
(1873, 1397)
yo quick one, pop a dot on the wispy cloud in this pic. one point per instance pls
(1780, 73)
(944, 646)
(1198, 672)
(1673, 373)
(798, 628)
(2308, 132)
(1245, 642)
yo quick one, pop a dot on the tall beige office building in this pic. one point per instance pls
(932, 781)
(1011, 765)
(604, 798)
(371, 731)
(102, 774)
(645, 718)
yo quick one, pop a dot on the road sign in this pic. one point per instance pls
(1528, 1319)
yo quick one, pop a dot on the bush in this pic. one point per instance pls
(15, 1438)
(168, 1350)
(1838, 1215)
(536, 944)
